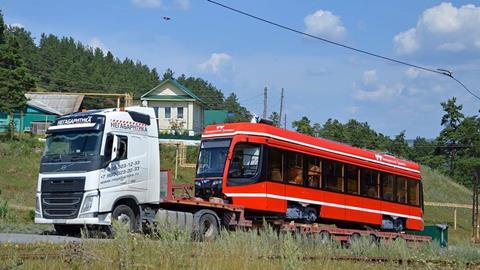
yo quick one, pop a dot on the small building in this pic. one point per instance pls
(216, 117)
(179, 111)
(41, 110)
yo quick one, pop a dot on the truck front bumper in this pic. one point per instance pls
(101, 219)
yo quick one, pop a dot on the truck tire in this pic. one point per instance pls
(353, 238)
(70, 230)
(206, 225)
(125, 215)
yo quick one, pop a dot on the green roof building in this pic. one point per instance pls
(177, 108)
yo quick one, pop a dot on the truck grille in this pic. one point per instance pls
(62, 197)
(61, 205)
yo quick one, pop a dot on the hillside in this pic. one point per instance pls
(20, 161)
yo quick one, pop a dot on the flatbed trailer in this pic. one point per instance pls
(232, 217)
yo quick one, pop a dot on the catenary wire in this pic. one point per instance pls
(437, 71)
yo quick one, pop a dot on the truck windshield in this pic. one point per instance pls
(73, 142)
(212, 157)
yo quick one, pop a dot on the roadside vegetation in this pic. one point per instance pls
(170, 248)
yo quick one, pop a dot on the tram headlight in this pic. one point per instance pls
(217, 183)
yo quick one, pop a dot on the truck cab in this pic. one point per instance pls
(97, 166)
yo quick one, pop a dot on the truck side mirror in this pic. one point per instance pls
(115, 148)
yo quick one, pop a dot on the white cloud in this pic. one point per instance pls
(147, 3)
(97, 43)
(182, 4)
(442, 27)
(381, 93)
(406, 42)
(443, 18)
(16, 24)
(412, 72)
(369, 76)
(452, 46)
(216, 62)
(325, 24)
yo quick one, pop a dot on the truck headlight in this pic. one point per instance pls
(89, 202)
(38, 211)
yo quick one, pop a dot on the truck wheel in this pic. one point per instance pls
(125, 215)
(70, 230)
(324, 237)
(206, 227)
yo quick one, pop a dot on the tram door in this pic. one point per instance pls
(275, 175)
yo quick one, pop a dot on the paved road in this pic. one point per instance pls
(22, 238)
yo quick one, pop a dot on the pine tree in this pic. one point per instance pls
(15, 81)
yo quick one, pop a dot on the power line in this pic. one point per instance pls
(437, 71)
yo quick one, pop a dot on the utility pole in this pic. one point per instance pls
(475, 208)
(281, 109)
(285, 122)
(265, 103)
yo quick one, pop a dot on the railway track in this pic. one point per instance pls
(371, 260)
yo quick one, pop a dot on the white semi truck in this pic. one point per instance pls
(102, 165)
(97, 165)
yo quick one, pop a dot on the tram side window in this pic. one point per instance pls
(294, 168)
(275, 165)
(401, 195)
(369, 183)
(332, 175)
(245, 161)
(388, 184)
(413, 192)
(351, 173)
(314, 172)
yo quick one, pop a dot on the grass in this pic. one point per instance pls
(440, 188)
(167, 161)
(169, 248)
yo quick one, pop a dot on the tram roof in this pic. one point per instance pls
(331, 147)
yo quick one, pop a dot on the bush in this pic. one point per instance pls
(4, 208)
(20, 147)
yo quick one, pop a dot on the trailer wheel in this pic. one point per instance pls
(206, 225)
(324, 237)
(353, 238)
(373, 240)
(124, 214)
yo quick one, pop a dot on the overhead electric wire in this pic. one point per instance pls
(437, 71)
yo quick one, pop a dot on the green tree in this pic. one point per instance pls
(303, 126)
(15, 81)
(275, 117)
(399, 146)
(168, 74)
(449, 135)
(241, 114)
(332, 129)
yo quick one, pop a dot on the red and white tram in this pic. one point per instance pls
(276, 173)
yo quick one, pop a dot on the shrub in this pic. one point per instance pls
(4, 208)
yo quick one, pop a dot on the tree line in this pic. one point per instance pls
(455, 151)
(62, 64)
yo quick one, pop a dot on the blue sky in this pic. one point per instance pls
(321, 81)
